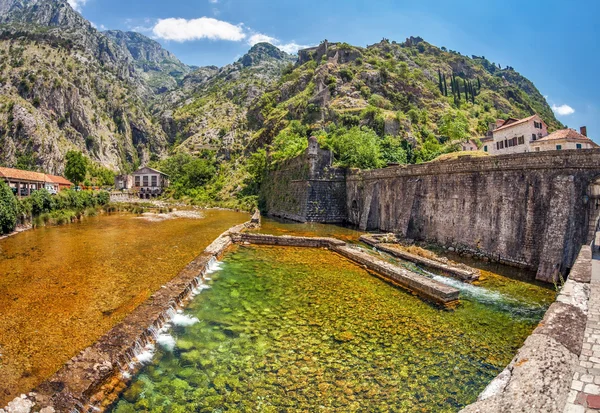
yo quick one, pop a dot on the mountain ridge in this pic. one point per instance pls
(152, 104)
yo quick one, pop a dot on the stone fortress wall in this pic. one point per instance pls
(307, 188)
(532, 210)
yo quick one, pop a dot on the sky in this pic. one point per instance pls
(551, 42)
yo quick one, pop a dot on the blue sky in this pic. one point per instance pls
(553, 43)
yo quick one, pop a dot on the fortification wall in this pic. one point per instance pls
(306, 189)
(531, 210)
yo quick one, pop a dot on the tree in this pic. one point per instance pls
(290, 142)
(441, 84)
(356, 148)
(445, 85)
(76, 167)
(8, 209)
(455, 125)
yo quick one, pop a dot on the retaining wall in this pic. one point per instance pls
(538, 379)
(467, 275)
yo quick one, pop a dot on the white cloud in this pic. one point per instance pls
(291, 47)
(77, 4)
(563, 110)
(213, 1)
(261, 38)
(181, 30)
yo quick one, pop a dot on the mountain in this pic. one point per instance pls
(63, 86)
(209, 111)
(395, 89)
(124, 100)
(160, 69)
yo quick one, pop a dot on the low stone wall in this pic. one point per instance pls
(423, 286)
(538, 379)
(446, 269)
(93, 379)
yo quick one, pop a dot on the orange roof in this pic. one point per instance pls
(10, 173)
(519, 122)
(568, 134)
(19, 174)
(58, 180)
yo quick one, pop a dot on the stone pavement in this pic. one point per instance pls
(585, 389)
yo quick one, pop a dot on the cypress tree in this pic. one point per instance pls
(445, 85)
(478, 83)
(441, 85)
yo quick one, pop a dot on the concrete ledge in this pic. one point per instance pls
(423, 286)
(539, 378)
(582, 269)
(286, 240)
(93, 379)
(446, 269)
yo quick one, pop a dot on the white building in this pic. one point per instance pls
(515, 135)
(564, 139)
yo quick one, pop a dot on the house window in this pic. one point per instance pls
(485, 148)
(578, 146)
(521, 140)
(145, 180)
(137, 181)
(533, 136)
(537, 149)
(154, 180)
(558, 147)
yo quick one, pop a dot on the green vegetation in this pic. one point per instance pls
(356, 147)
(8, 209)
(41, 208)
(76, 167)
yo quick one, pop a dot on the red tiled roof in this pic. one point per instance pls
(59, 180)
(10, 173)
(568, 134)
(19, 174)
(519, 122)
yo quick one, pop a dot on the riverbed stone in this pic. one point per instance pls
(540, 379)
(566, 324)
(20, 405)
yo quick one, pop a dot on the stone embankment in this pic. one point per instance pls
(379, 242)
(539, 377)
(93, 379)
(420, 285)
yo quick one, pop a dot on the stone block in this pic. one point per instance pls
(565, 324)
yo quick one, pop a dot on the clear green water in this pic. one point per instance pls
(304, 330)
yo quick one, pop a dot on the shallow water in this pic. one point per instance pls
(61, 288)
(289, 329)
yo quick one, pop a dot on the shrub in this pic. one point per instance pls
(8, 209)
(356, 148)
(41, 202)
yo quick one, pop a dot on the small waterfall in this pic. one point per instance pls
(492, 298)
(144, 348)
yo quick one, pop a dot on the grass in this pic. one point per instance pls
(464, 154)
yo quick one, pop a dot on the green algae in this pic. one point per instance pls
(307, 330)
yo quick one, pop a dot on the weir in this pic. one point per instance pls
(423, 286)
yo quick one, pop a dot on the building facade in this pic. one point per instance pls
(24, 183)
(563, 140)
(514, 135)
(146, 182)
